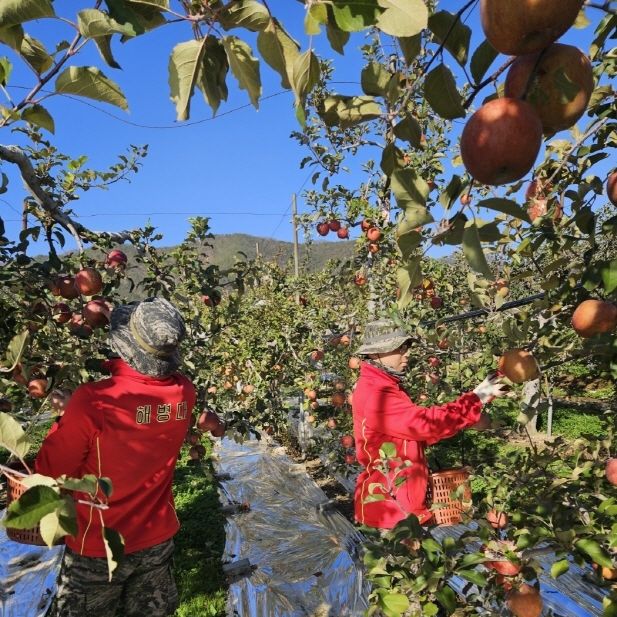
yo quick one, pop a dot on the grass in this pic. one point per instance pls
(200, 541)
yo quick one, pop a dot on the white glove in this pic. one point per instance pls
(491, 388)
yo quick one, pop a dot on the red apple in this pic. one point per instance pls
(539, 78)
(88, 282)
(350, 459)
(79, 327)
(347, 441)
(365, 225)
(208, 421)
(323, 229)
(65, 285)
(96, 313)
(501, 141)
(343, 233)
(611, 471)
(334, 225)
(373, 234)
(516, 27)
(116, 259)
(611, 187)
(436, 302)
(317, 355)
(434, 362)
(331, 423)
(37, 388)
(497, 519)
(593, 317)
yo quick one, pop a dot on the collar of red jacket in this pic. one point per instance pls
(371, 371)
(119, 368)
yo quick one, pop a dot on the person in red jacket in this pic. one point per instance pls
(130, 428)
(384, 412)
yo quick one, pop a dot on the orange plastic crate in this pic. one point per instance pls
(441, 485)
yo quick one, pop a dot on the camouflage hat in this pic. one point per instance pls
(382, 336)
(146, 335)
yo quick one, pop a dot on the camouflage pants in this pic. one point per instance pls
(142, 585)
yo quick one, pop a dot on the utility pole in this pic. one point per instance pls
(294, 222)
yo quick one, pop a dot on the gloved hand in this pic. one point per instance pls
(491, 388)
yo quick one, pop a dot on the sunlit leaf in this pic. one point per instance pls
(449, 30)
(244, 66)
(402, 17)
(31, 507)
(279, 50)
(37, 115)
(91, 83)
(15, 12)
(347, 111)
(472, 249)
(248, 14)
(114, 549)
(12, 436)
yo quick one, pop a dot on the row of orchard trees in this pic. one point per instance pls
(559, 238)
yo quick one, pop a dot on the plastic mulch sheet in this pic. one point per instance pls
(302, 554)
(27, 577)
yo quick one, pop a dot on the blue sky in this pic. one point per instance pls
(240, 168)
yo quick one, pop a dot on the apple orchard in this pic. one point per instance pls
(498, 155)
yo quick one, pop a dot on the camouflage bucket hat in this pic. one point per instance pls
(146, 335)
(382, 336)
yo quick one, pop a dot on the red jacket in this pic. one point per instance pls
(129, 428)
(383, 412)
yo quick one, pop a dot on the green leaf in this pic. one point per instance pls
(12, 436)
(37, 115)
(391, 159)
(447, 598)
(449, 30)
(305, 75)
(15, 12)
(35, 54)
(159, 4)
(411, 46)
(609, 276)
(279, 50)
(31, 507)
(355, 15)
(103, 44)
(91, 83)
(337, 38)
(247, 14)
(472, 249)
(595, 551)
(12, 36)
(451, 193)
(114, 549)
(93, 23)
(506, 206)
(407, 277)
(441, 93)
(106, 486)
(14, 351)
(409, 130)
(481, 60)
(402, 17)
(212, 79)
(244, 66)
(408, 243)
(374, 79)
(473, 576)
(348, 111)
(559, 568)
(185, 64)
(87, 484)
(393, 604)
(409, 188)
(430, 609)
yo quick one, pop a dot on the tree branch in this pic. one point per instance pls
(15, 155)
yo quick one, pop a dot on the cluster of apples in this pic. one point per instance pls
(334, 225)
(87, 282)
(501, 141)
(208, 421)
(426, 291)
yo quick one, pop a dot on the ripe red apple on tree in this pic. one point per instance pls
(96, 313)
(373, 234)
(323, 228)
(310, 394)
(365, 225)
(518, 365)
(64, 285)
(557, 82)
(208, 421)
(436, 302)
(212, 390)
(350, 459)
(338, 399)
(345, 340)
(525, 601)
(516, 27)
(343, 233)
(61, 312)
(88, 282)
(78, 326)
(331, 423)
(354, 363)
(317, 355)
(611, 187)
(37, 388)
(347, 441)
(116, 259)
(465, 199)
(212, 298)
(334, 225)
(373, 247)
(611, 471)
(593, 317)
(501, 141)
(434, 362)
(360, 280)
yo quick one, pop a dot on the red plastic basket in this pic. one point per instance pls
(441, 485)
(14, 490)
